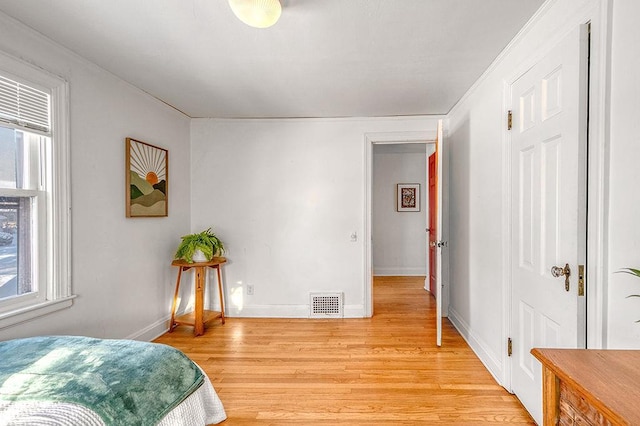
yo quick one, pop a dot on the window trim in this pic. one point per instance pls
(58, 223)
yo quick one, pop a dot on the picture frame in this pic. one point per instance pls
(408, 197)
(147, 180)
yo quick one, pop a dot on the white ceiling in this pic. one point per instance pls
(324, 58)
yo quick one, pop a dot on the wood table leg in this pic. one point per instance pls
(175, 302)
(199, 308)
(220, 293)
(550, 397)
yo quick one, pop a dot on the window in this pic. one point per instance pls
(34, 193)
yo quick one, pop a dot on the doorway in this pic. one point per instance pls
(372, 140)
(398, 233)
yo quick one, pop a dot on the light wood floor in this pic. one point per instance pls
(384, 370)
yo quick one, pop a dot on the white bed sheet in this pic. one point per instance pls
(203, 407)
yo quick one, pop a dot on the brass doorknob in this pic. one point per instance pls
(558, 272)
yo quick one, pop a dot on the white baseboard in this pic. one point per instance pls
(152, 331)
(286, 311)
(354, 311)
(399, 271)
(161, 326)
(481, 349)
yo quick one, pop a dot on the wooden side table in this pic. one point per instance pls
(199, 317)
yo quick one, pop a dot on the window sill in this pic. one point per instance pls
(28, 313)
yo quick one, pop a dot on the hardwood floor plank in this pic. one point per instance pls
(384, 370)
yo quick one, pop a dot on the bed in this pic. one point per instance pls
(73, 380)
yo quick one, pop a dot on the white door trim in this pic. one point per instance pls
(369, 140)
(598, 168)
(598, 177)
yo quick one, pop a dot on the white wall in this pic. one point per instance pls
(285, 196)
(477, 176)
(399, 238)
(121, 267)
(624, 201)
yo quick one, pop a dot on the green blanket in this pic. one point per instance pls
(126, 382)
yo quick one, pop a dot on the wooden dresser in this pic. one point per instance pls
(590, 387)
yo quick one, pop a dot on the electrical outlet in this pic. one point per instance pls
(249, 290)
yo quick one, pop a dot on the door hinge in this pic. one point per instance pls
(509, 346)
(509, 120)
(580, 280)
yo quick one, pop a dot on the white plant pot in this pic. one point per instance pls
(198, 256)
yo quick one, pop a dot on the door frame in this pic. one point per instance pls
(597, 173)
(371, 139)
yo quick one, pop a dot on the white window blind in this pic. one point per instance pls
(24, 106)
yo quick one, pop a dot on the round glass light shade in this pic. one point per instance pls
(257, 13)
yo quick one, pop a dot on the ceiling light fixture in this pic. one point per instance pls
(257, 13)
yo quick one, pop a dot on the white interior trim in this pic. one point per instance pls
(286, 311)
(598, 176)
(30, 312)
(54, 237)
(494, 365)
(505, 379)
(405, 271)
(61, 189)
(369, 140)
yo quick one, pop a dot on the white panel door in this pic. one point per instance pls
(548, 154)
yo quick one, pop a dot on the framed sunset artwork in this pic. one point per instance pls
(147, 175)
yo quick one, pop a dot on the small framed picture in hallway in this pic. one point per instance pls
(408, 197)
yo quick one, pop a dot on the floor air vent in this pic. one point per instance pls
(326, 305)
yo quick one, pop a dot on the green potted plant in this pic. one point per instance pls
(200, 247)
